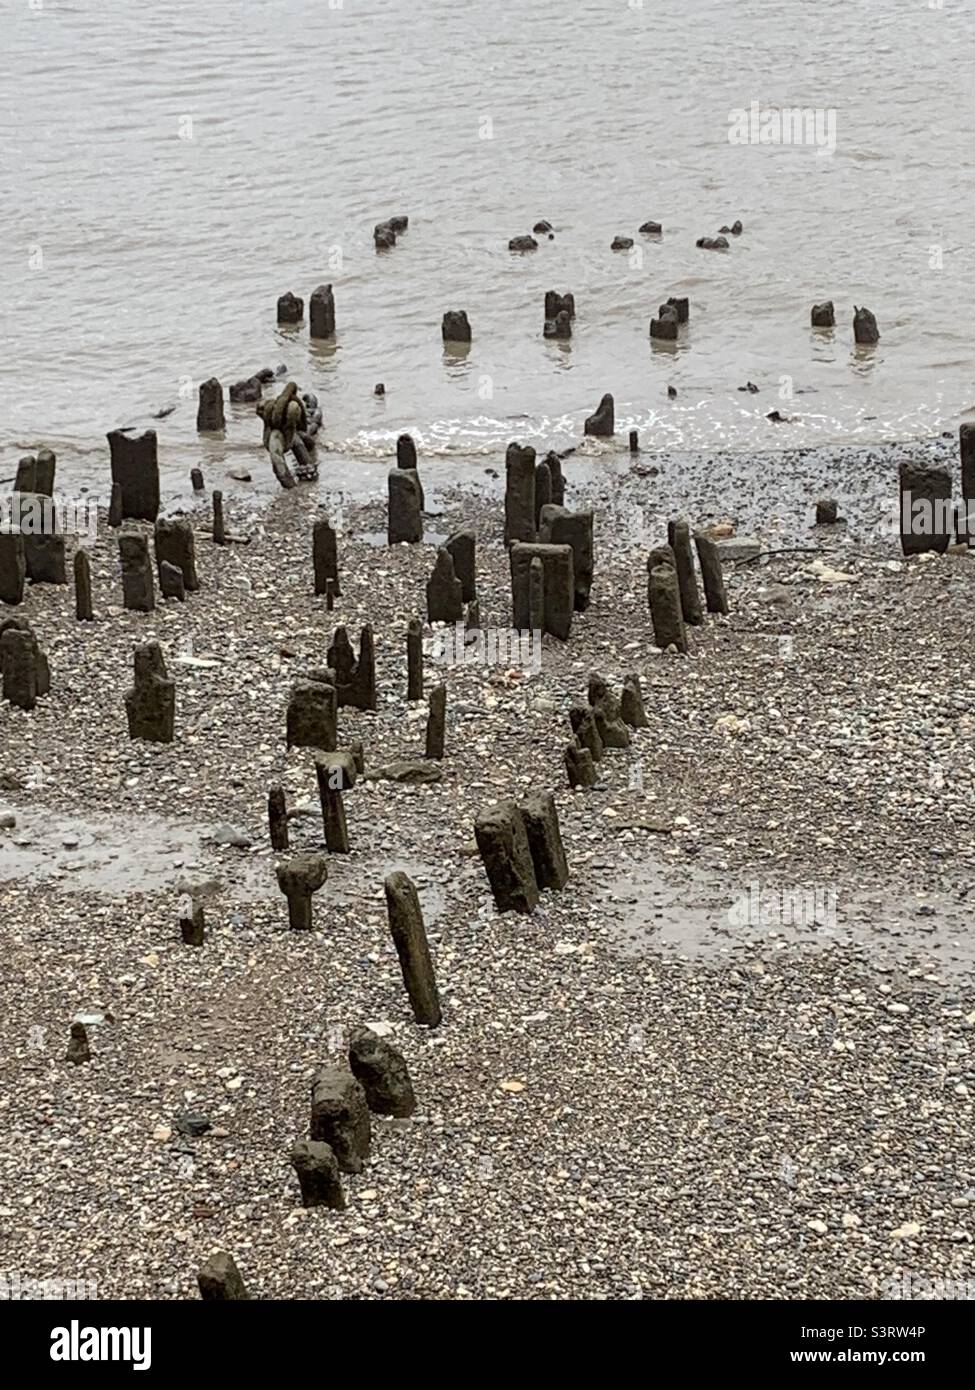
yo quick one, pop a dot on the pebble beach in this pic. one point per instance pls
(633, 1093)
(487, 722)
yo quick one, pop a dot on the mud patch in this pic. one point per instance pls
(380, 539)
(701, 916)
(114, 857)
(354, 880)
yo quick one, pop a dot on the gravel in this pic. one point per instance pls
(632, 1094)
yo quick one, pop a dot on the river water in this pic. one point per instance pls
(171, 168)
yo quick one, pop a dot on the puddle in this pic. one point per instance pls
(380, 540)
(684, 911)
(708, 918)
(357, 880)
(115, 857)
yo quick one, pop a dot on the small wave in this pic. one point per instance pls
(357, 448)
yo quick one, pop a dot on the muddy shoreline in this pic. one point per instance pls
(758, 483)
(706, 1107)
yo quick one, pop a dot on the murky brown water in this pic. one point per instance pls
(171, 169)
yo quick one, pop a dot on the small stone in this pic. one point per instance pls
(738, 548)
(407, 771)
(192, 1124)
(226, 834)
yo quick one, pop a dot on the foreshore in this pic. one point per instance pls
(634, 1092)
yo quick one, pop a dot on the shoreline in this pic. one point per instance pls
(710, 485)
(738, 1068)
